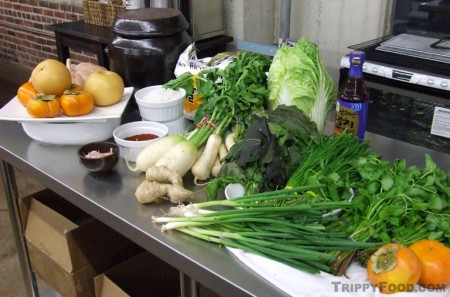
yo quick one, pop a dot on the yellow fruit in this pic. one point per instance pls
(106, 87)
(51, 77)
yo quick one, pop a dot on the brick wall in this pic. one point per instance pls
(24, 37)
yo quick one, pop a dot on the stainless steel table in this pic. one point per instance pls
(111, 199)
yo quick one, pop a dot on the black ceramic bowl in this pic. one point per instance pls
(99, 164)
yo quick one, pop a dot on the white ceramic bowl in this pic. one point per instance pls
(154, 109)
(130, 149)
(234, 191)
(71, 133)
(176, 127)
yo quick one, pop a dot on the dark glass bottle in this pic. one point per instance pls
(352, 104)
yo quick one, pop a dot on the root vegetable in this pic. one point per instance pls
(162, 174)
(230, 140)
(180, 157)
(222, 151)
(202, 167)
(216, 167)
(178, 194)
(149, 191)
(152, 153)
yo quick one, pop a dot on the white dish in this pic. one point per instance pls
(176, 127)
(71, 133)
(162, 111)
(235, 190)
(129, 150)
(14, 111)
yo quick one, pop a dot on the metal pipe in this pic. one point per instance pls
(12, 197)
(285, 20)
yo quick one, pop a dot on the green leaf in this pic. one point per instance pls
(373, 187)
(432, 222)
(444, 224)
(430, 165)
(387, 182)
(420, 206)
(394, 221)
(385, 237)
(436, 203)
(435, 235)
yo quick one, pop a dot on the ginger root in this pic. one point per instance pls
(161, 182)
(162, 174)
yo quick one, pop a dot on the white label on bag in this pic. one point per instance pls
(441, 122)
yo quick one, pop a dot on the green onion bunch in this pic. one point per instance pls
(297, 235)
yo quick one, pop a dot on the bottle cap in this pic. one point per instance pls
(357, 57)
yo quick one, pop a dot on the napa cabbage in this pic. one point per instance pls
(297, 76)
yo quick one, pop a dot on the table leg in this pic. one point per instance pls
(188, 286)
(102, 57)
(62, 50)
(12, 196)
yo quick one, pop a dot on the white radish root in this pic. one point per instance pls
(202, 167)
(223, 151)
(230, 140)
(179, 158)
(217, 163)
(153, 152)
(216, 167)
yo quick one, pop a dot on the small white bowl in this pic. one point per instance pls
(235, 190)
(130, 149)
(176, 127)
(152, 109)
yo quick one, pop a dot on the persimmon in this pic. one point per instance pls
(435, 260)
(26, 92)
(43, 106)
(76, 88)
(76, 103)
(394, 268)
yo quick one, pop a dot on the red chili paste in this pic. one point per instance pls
(141, 137)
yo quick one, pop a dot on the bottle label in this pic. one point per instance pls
(351, 117)
(192, 102)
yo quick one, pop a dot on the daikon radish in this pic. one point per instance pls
(230, 140)
(179, 158)
(222, 151)
(150, 155)
(217, 163)
(216, 167)
(202, 167)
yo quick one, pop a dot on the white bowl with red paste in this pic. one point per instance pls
(133, 137)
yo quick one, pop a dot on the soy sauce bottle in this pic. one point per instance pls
(352, 104)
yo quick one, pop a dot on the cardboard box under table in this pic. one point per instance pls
(144, 275)
(67, 247)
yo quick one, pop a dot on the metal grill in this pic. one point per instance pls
(372, 54)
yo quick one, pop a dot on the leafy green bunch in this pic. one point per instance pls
(397, 203)
(269, 152)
